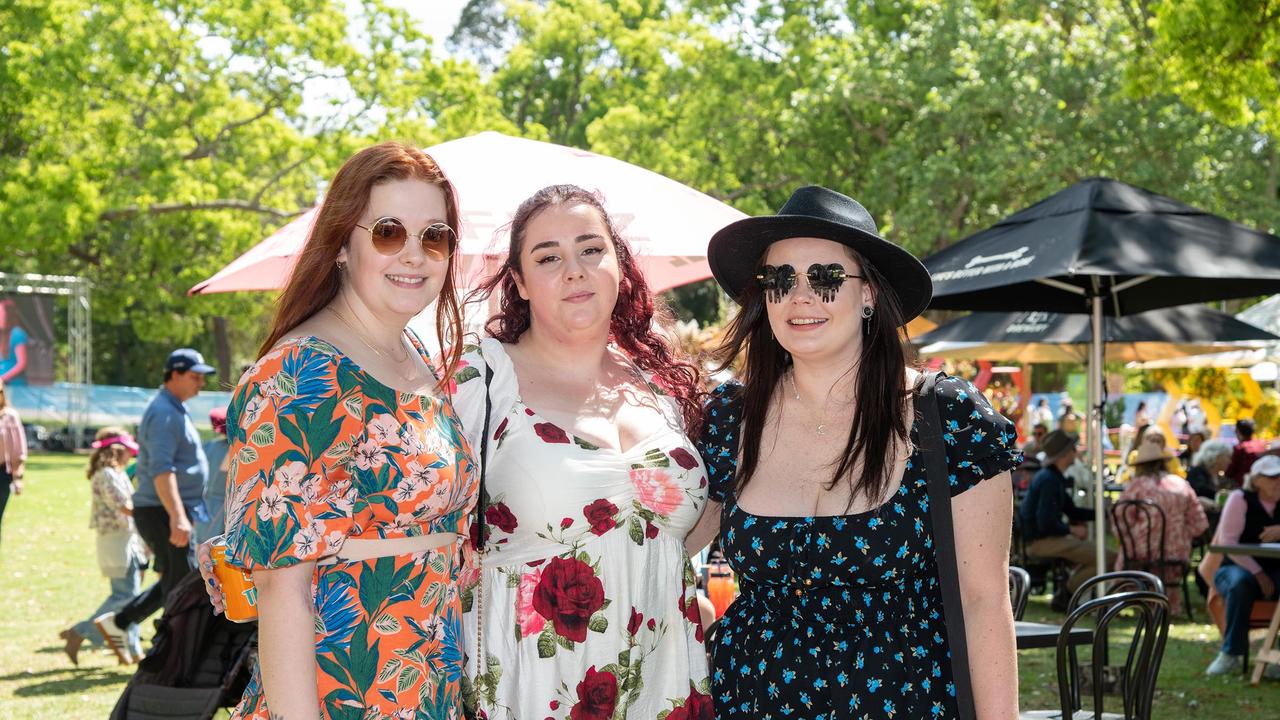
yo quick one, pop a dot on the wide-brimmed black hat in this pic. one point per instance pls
(812, 211)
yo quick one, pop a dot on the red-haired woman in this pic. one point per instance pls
(586, 607)
(350, 483)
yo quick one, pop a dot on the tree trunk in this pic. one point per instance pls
(222, 349)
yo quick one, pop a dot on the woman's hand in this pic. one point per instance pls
(1270, 533)
(204, 557)
(1264, 582)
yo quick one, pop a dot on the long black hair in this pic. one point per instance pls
(880, 387)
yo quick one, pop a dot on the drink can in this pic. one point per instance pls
(238, 591)
(720, 587)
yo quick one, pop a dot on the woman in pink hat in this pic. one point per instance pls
(121, 554)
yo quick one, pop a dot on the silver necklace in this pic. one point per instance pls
(822, 426)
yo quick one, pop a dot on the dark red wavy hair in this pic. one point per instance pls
(631, 325)
(315, 280)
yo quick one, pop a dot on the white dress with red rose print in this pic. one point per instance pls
(586, 607)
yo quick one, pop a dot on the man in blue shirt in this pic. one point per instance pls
(171, 474)
(1043, 508)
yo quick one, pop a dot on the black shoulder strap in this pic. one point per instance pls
(484, 454)
(944, 543)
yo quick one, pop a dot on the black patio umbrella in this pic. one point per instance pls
(1036, 336)
(1101, 247)
(1132, 248)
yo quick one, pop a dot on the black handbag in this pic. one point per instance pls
(944, 541)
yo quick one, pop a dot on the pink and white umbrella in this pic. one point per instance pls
(667, 223)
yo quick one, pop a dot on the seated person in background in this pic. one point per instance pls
(1032, 448)
(1195, 438)
(1207, 466)
(1150, 434)
(1184, 518)
(1247, 451)
(1250, 516)
(1069, 423)
(1030, 463)
(1042, 511)
(1204, 474)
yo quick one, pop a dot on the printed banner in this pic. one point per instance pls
(26, 339)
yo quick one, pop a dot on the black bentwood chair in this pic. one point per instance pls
(1019, 590)
(1146, 551)
(1147, 612)
(1113, 583)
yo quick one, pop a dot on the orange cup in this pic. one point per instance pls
(238, 591)
(721, 590)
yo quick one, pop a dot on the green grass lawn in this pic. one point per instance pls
(51, 579)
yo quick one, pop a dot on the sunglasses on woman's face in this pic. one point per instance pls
(824, 280)
(389, 236)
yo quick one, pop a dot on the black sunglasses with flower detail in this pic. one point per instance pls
(824, 280)
(389, 235)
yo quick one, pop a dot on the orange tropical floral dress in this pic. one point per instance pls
(321, 452)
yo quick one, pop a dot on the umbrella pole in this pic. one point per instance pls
(1096, 429)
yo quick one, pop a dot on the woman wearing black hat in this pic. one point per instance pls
(822, 477)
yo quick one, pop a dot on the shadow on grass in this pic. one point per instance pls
(65, 681)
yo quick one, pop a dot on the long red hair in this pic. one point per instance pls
(315, 280)
(631, 324)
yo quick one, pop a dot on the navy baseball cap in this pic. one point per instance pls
(184, 359)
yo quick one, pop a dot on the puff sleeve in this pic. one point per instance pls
(471, 399)
(718, 442)
(290, 423)
(980, 442)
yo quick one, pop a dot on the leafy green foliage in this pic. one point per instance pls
(146, 144)
(1222, 57)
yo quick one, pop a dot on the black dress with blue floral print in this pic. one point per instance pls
(840, 617)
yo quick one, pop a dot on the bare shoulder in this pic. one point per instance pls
(319, 326)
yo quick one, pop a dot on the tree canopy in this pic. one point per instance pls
(146, 143)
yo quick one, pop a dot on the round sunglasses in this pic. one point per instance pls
(824, 280)
(389, 235)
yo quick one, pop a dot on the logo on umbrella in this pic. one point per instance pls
(1011, 255)
(988, 264)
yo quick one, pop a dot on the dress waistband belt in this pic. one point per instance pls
(357, 549)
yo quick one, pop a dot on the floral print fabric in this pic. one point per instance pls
(321, 452)
(586, 607)
(111, 493)
(1185, 520)
(841, 616)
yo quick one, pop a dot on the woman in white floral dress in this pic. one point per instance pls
(586, 607)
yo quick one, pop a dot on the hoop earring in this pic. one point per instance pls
(867, 312)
